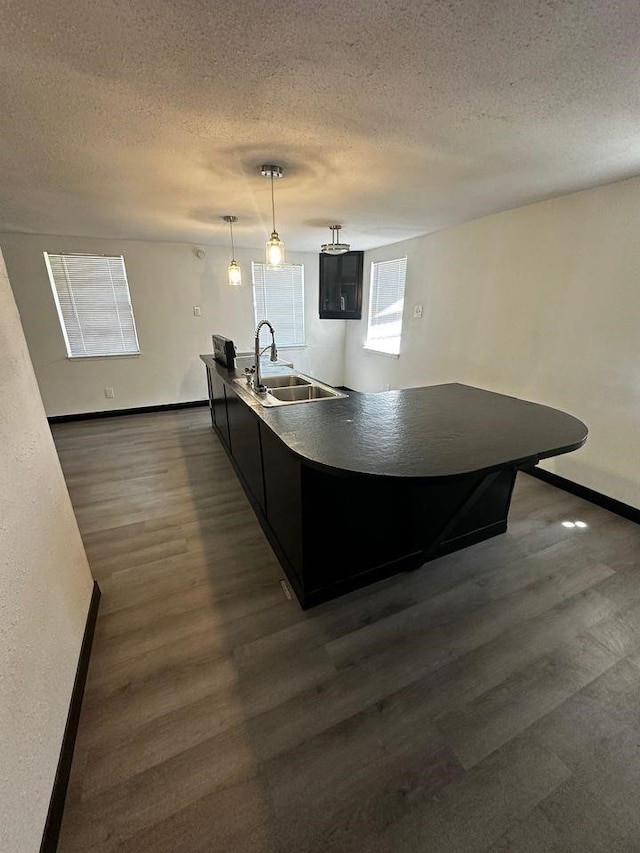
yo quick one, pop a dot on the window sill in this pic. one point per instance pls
(381, 352)
(93, 357)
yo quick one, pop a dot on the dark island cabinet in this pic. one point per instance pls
(218, 405)
(341, 286)
(333, 530)
(283, 491)
(340, 520)
(244, 433)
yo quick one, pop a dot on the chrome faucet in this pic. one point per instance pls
(257, 378)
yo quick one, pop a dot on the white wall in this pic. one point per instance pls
(45, 589)
(166, 281)
(543, 303)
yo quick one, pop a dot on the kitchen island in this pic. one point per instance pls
(352, 489)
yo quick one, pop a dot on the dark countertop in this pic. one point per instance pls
(439, 431)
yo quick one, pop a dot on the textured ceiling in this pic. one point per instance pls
(149, 119)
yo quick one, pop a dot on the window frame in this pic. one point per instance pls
(133, 331)
(265, 270)
(370, 343)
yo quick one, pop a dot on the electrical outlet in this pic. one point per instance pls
(197, 311)
(109, 393)
(417, 312)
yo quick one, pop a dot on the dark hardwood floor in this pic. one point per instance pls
(488, 702)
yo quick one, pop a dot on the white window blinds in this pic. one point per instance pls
(386, 303)
(91, 293)
(278, 296)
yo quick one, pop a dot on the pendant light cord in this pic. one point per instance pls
(273, 206)
(233, 251)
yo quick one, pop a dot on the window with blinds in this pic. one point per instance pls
(91, 293)
(278, 296)
(386, 303)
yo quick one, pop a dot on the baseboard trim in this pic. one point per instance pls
(59, 793)
(597, 498)
(114, 413)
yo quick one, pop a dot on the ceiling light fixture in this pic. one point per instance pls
(335, 247)
(275, 246)
(234, 271)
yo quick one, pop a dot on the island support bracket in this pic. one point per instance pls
(483, 486)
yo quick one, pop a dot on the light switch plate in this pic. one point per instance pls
(417, 312)
(197, 311)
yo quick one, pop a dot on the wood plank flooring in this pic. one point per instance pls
(488, 702)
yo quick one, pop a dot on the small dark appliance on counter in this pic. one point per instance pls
(224, 351)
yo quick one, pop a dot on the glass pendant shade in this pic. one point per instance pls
(235, 273)
(275, 252)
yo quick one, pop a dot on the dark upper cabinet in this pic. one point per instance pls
(341, 286)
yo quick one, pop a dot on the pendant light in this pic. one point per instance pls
(234, 271)
(275, 246)
(335, 247)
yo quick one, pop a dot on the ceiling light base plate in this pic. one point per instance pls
(270, 171)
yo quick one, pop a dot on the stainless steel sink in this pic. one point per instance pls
(287, 389)
(284, 381)
(303, 393)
